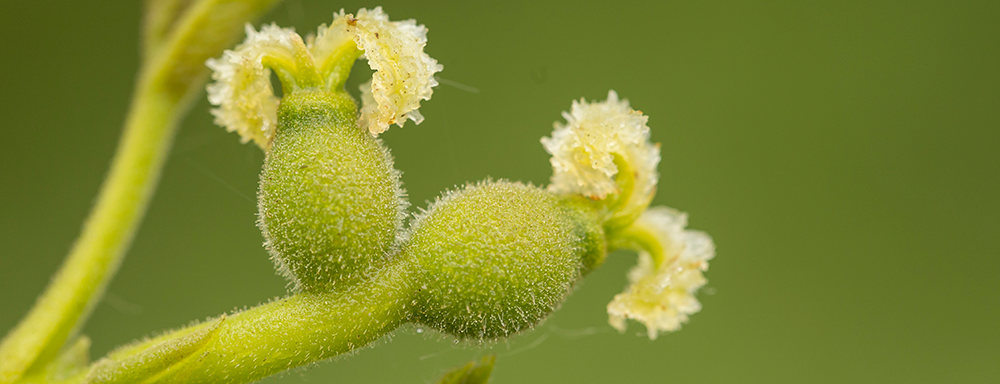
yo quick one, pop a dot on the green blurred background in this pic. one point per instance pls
(844, 156)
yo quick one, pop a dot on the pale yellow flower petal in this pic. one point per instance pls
(242, 89)
(662, 296)
(583, 149)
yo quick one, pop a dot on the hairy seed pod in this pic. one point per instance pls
(330, 202)
(495, 258)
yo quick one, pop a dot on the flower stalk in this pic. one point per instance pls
(273, 337)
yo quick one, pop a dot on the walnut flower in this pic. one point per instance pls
(242, 89)
(584, 149)
(661, 294)
(404, 74)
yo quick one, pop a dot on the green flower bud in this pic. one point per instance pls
(495, 258)
(330, 202)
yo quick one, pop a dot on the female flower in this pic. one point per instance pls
(331, 205)
(483, 262)
(603, 153)
(242, 88)
(404, 74)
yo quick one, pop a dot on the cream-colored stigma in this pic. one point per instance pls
(661, 294)
(404, 74)
(242, 89)
(583, 149)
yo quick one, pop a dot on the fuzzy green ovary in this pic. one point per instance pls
(330, 204)
(495, 259)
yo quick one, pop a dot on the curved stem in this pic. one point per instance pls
(166, 84)
(270, 338)
(98, 251)
(159, 19)
(639, 237)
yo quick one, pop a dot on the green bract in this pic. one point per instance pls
(495, 258)
(330, 204)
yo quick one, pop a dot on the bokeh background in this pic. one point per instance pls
(843, 155)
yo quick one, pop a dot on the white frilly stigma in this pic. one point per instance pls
(662, 296)
(242, 89)
(404, 74)
(583, 149)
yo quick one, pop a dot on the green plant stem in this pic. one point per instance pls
(167, 83)
(159, 18)
(274, 337)
(106, 234)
